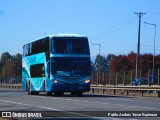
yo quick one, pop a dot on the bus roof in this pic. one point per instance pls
(58, 35)
(66, 35)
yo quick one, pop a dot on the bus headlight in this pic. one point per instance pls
(55, 81)
(87, 81)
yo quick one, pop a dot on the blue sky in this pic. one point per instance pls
(111, 23)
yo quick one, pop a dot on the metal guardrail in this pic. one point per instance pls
(129, 87)
(103, 88)
(126, 89)
(13, 86)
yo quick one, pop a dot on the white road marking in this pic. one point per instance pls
(150, 108)
(132, 106)
(96, 102)
(74, 113)
(44, 97)
(30, 105)
(85, 101)
(105, 103)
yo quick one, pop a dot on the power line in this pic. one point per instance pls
(114, 28)
(130, 48)
(149, 49)
(114, 25)
(149, 46)
(154, 13)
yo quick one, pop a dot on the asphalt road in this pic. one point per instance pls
(18, 100)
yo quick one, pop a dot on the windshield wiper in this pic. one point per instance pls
(61, 73)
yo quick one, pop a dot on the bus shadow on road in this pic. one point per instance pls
(89, 95)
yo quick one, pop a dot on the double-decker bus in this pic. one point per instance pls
(56, 64)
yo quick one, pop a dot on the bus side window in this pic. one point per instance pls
(37, 70)
(26, 50)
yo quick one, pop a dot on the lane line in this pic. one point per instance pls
(104, 103)
(83, 101)
(132, 106)
(150, 108)
(97, 102)
(131, 98)
(30, 105)
(74, 113)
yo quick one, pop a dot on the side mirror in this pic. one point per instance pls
(92, 67)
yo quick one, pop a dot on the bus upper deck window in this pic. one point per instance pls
(60, 46)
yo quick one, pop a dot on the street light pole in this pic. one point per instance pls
(154, 46)
(99, 59)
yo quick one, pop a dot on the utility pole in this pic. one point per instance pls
(138, 46)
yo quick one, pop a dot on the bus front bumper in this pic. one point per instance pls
(70, 87)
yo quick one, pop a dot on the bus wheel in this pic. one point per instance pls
(48, 93)
(59, 94)
(36, 93)
(29, 90)
(79, 94)
(73, 93)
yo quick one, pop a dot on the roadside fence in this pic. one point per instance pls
(11, 80)
(125, 77)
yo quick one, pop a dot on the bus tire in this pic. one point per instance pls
(29, 89)
(48, 93)
(36, 93)
(73, 93)
(59, 94)
(79, 94)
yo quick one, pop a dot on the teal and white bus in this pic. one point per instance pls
(56, 64)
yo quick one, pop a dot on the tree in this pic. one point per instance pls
(5, 58)
(146, 62)
(103, 63)
(109, 59)
(18, 62)
(128, 62)
(120, 63)
(132, 58)
(10, 65)
(157, 61)
(1, 65)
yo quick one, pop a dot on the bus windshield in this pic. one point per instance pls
(70, 66)
(70, 45)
